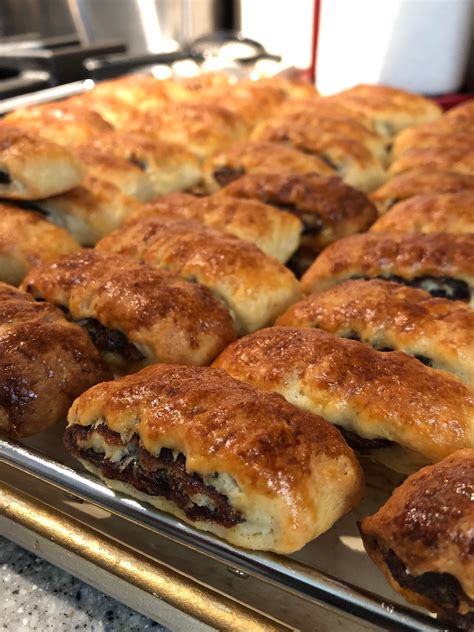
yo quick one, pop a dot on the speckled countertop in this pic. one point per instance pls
(36, 595)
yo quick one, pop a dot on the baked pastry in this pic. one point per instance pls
(91, 210)
(463, 111)
(26, 240)
(431, 213)
(217, 454)
(203, 128)
(328, 208)
(120, 114)
(45, 363)
(135, 314)
(419, 181)
(421, 539)
(444, 132)
(206, 81)
(33, 167)
(63, 125)
(168, 166)
(321, 108)
(141, 91)
(441, 157)
(390, 109)
(293, 87)
(276, 232)
(254, 157)
(390, 316)
(440, 263)
(388, 405)
(255, 287)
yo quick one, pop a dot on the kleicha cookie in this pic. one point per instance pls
(388, 405)
(135, 314)
(440, 263)
(421, 539)
(458, 158)
(45, 363)
(393, 317)
(256, 288)
(216, 453)
(445, 132)
(141, 91)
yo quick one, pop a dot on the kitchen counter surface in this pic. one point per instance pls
(38, 596)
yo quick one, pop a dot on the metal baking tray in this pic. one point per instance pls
(187, 579)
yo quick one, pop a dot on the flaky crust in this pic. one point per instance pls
(382, 255)
(276, 232)
(418, 182)
(462, 111)
(26, 240)
(293, 87)
(284, 462)
(141, 91)
(328, 208)
(444, 132)
(458, 158)
(32, 167)
(376, 395)
(431, 213)
(427, 523)
(111, 108)
(392, 316)
(256, 287)
(45, 363)
(166, 318)
(91, 210)
(256, 157)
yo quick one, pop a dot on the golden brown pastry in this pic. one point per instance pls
(293, 87)
(276, 232)
(444, 132)
(217, 454)
(421, 539)
(440, 263)
(203, 128)
(254, 157)
(322, 108)
(45, 363)
(431, 213)
(65, 126)
(462, 111)
(458, 158)
(207, 80)
(255, 287)
(141, 91)
(26, 240)
(390, 109)
(387, 405)
(91, 210)
(135, 314)
(33, 167)
(390, 316)
(120, 114)
(350, 159)
(417, 182)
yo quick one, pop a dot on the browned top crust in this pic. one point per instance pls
(204, 128)
(328, 208)
(382, 254)
(256, 287)
(141, 91)
(255, 157)
(119, 113)
(458, 158)
(207, 80)
(45, 363)
(462, 111)
(427, 523)
(26, 240)
(269, 447)
(169, 319)
(377, 395)
(393, 316)
(431, 213)
(445, 132)
(293, 87)
(276, 232)
(324, 108)
(419, 181)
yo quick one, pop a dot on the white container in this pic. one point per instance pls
(417, 45)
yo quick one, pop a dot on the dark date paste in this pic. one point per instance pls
(226, 175)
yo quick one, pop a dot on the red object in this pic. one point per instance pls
(448, 101)
(314, 54)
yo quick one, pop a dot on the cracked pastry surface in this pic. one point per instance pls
(430, 213)
(393, 317)
(421, 539)
(255, 287)
(45, 363)
(440, 263)
(32, 167)
(275, 232)
(218, 454)
(26, 240)
(401, 412)
(256, 157)
(134, 313)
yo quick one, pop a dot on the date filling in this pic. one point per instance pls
(5, 177)
(164, 475)
(110, 340)
(421, 358)
(442, 287)
(441, 588)
(226, 175)
(362, 444)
